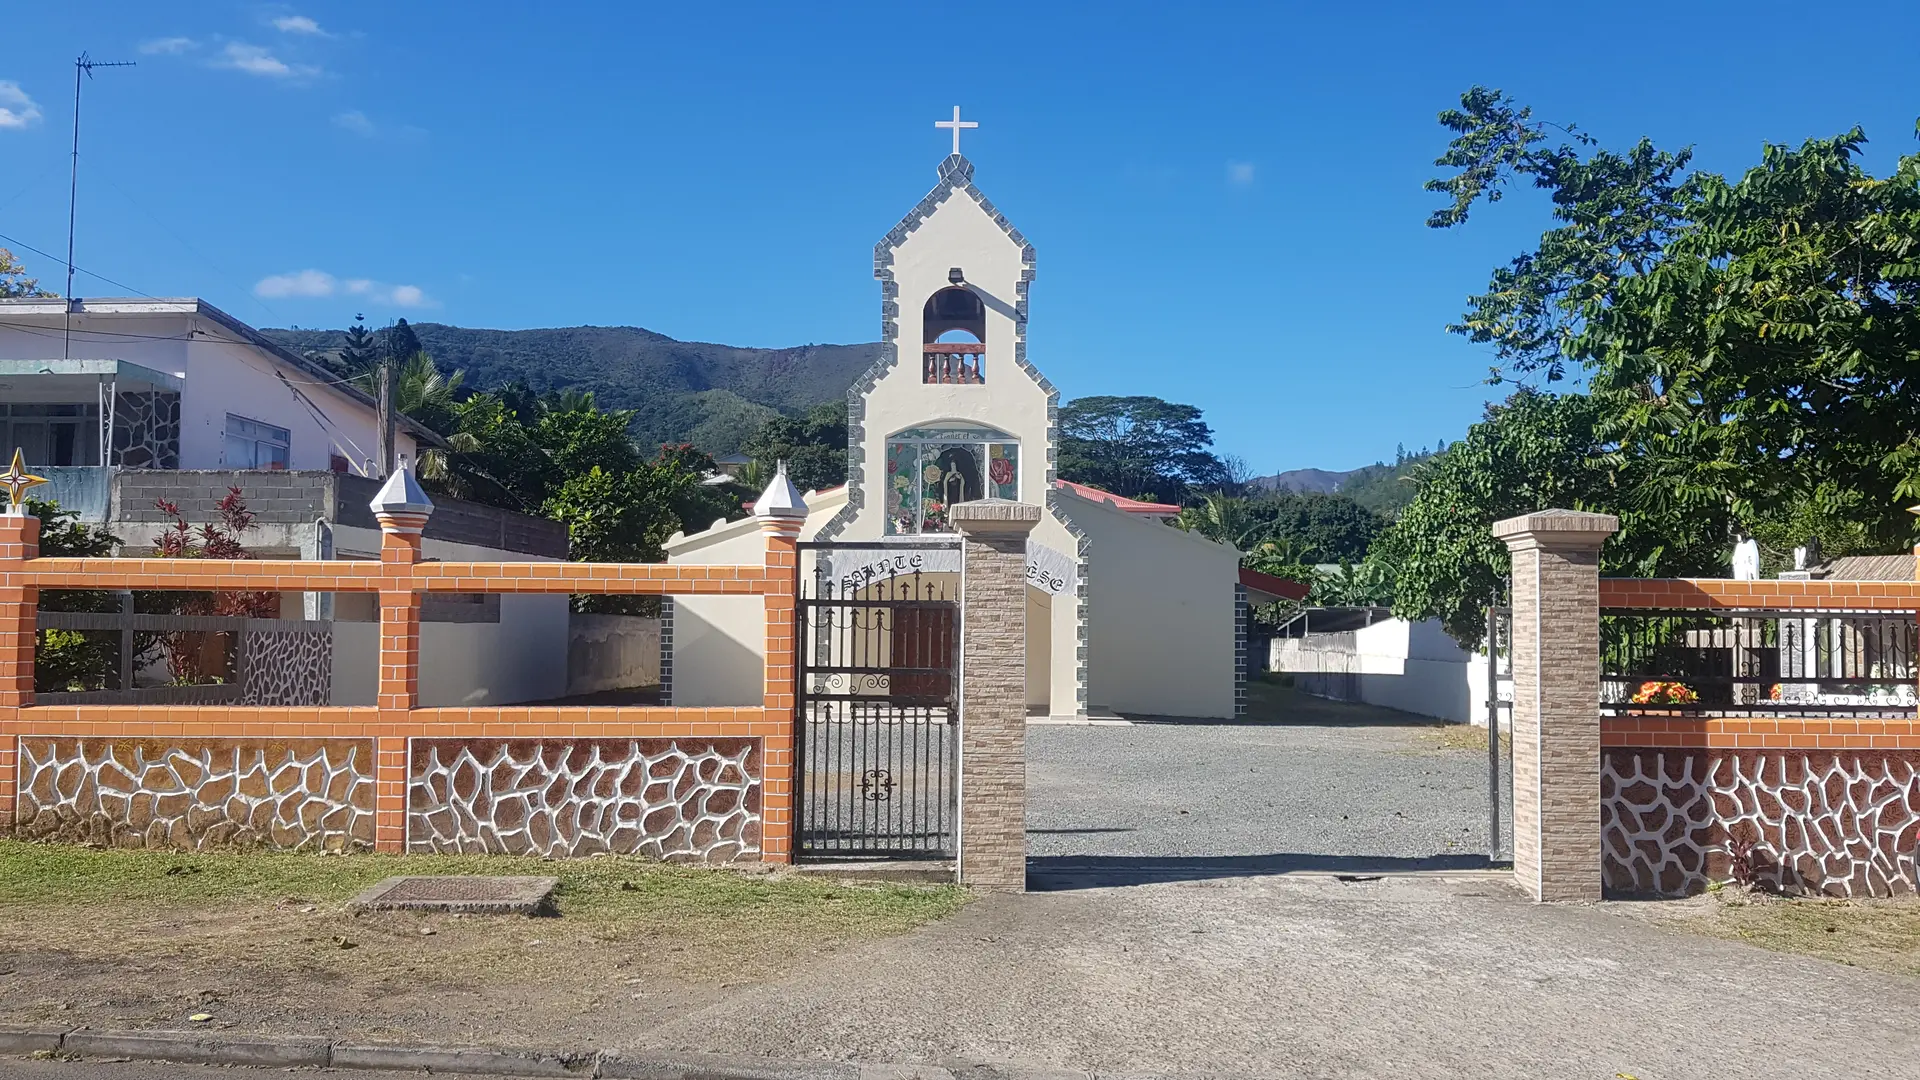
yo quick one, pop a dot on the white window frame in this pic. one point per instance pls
(262, 435)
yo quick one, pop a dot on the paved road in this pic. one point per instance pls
(1305, 976)
(1337, 787)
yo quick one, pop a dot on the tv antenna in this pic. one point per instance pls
(82, 65)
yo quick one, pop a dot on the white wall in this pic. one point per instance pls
(221, 377)
(611, 652)
(720, 642)
(1160, 616)
(523, 657)
(1413, 667)
(224, 378)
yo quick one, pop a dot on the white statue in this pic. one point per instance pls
(1746, 560)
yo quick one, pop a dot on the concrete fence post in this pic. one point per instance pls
(993, 691)
(1556, 700)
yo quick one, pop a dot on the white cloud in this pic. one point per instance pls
(298, 283)
(17, 110)
(318, 284)
(1240, 173)
(298, 24)
(168, 46)
(255, 60)
(355, 121)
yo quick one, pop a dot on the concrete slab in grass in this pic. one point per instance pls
(469, 894)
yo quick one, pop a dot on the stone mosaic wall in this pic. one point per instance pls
(286, 667)
(146, 430)
(1823, 822)
(196, 794)
(667, 798)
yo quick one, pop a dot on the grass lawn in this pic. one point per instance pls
(1880, 934)
(263, 939)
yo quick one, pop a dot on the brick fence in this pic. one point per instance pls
(1652, 801)
(711, 783)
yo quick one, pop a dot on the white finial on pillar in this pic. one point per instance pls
(402, 505)
(781, 499)
(956, 124)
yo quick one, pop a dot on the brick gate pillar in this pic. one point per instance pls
(1556, 700)
(782, 513)
(402, 508)
(993, 691)
(19, 541)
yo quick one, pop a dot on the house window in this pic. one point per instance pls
(50, 434)
(931, 468)
(254, 445)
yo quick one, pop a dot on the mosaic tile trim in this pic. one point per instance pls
(146, 429)
(198, 794)
(1240, 657)
(1824, 823)
(286, 667)
(692, 799)
(666, 650)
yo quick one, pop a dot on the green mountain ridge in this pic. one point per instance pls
(714, 396)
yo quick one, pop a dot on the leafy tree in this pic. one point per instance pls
(627, 516)
(1139, 447)
(14, 280)
(1224, 519)
(814, 447)
(1750, 340)
(1328, 528)
(1369, 583)
(1534, 451)
(398, 341)
(67, 660)
(562, 457)
(1383, 488)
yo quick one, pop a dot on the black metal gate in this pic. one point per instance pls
(878, 645)
(1499, 705)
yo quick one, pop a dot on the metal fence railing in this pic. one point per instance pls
(1758, 662)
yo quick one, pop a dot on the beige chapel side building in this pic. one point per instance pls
(1125, 613)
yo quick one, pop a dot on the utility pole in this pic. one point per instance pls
(83, 64)
(386, 413)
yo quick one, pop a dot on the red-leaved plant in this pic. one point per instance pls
(1740, 845)
(194, 656)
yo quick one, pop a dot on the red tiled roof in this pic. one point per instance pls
(1120, 502)
(1273, 586)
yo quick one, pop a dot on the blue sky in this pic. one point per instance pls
(1225, 198)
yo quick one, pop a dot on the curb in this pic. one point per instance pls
(207, 1048)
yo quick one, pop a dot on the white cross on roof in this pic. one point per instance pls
(956, 124)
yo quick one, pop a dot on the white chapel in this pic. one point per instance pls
(1125, 614)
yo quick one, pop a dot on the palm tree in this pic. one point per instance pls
(423, 392)
(1224, 519)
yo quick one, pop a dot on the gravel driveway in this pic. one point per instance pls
(1307, 784)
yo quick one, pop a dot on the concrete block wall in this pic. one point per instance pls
(301, 498)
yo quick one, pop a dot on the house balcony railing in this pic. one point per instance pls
(957, 362)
